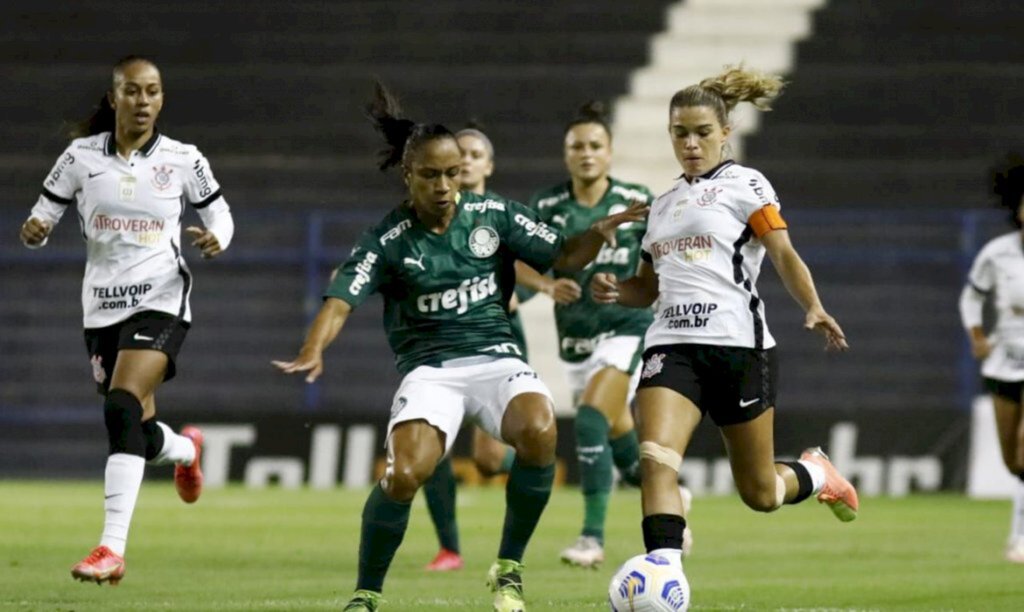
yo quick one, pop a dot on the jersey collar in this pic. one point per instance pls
(146, 149)
(712, 173)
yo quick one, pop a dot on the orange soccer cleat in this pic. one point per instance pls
(837, 491)
(445, 561)
(188, 479)
(102, 565)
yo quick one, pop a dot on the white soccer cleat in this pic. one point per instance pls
(586, 552)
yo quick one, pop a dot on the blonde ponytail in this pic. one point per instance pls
(723, 92)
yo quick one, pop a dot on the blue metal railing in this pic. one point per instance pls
(321, 249)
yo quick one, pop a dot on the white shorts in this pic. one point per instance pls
(619, 352)
(445, 396)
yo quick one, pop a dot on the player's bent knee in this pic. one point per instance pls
(402, 480)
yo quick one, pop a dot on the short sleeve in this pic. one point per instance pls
(201, 188)
(361, 274)
(529, 238)
(64, 179)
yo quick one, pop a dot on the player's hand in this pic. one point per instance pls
(34, 231)
(980, 347)
(820, 321)
(205, 240)
(608, 226)
(563, 291)
(309, 360)
(604, 288)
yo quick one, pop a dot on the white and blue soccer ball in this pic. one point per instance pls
(649, 583)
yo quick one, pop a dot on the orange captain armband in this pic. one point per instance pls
(766, 219)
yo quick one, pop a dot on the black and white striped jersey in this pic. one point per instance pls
(131, 211)
(707, 257)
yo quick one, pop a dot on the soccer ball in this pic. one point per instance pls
(649, 583)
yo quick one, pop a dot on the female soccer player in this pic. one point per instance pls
(599, 344)
(128, 183)
(709, 349)
(996, 272)
(490, 455)
(444, 263)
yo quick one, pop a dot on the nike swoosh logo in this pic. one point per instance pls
(745, 403)
(111, 496)
(95, 174)
(139, 336)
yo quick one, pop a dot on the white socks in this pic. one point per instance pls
(674, 555)
(1017, 521)
(121, 483)
(177, 448)
(817, 475)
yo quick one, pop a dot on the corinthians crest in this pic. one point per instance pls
(483, 241)
(161, 178)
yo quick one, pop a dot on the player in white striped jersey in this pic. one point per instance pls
(130, 185)
(709, 350)
(998, 273)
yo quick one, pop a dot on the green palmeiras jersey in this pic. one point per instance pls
(446, 295)
(584, 323)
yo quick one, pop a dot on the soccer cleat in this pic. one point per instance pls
(506, 582)
(188, 479)
(445, 561)
(1015, 550)
(364, 601)
(102, 565)
(586, 552)
(837, 492)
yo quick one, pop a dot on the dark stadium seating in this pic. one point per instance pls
(273, 95)
(897, 104)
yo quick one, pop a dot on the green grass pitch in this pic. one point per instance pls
(273, 549)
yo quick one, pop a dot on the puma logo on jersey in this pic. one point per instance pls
(409, 261)
(559, 220)
(469, 291)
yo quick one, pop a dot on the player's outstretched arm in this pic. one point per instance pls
(639, 291)
(581, 249)
(797, 278)
(561, 290)
(325, 329)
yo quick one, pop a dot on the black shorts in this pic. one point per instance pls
(1009, 390)
(731, 384)
(158, 331)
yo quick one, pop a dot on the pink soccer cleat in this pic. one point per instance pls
(445, 561)
(837, 492)
(188, 479)
(102, 565)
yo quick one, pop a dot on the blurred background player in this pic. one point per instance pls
(128, 183)
(444, 263)
(490, 455)
(599, 344)
(997, 272)
(709, 349)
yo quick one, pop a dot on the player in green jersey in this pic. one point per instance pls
(491, 456)
(444, 264)
(599, 344)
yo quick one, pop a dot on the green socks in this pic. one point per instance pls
(526, 494)
(595, 459)
(439, 491)
(506, 463)
(384, 523)
(626, 456)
